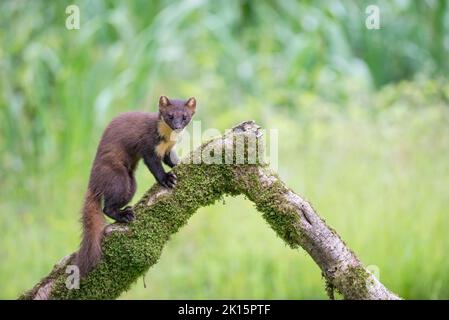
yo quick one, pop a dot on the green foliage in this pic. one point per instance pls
(362, 118)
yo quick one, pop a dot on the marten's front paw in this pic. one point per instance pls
(169, 180)
(127, 214)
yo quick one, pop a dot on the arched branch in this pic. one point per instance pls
(130, 250)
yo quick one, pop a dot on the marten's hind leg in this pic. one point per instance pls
(128, 211)
(118, 194)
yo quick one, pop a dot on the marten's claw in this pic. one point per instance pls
(127, 215)
(170, 180)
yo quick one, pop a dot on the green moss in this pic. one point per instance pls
(127, 255)
(329, 287)
(354, 280)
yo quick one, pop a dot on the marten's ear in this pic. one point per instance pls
(191, 104)
(163, 102)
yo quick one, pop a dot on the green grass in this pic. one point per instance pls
(363, 123)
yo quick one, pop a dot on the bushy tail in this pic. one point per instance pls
(93, 223)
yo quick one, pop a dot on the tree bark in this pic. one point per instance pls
(129, 250)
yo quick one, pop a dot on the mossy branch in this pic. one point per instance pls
(130, 250)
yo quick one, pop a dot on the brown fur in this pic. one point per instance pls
(128, 138)
(93, 222)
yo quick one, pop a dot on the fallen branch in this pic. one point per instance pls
(130, 250)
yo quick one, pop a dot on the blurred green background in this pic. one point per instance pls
(363, 121)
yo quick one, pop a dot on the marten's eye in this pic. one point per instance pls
(170, 116)
(184, 117)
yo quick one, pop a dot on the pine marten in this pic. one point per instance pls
(128, 138)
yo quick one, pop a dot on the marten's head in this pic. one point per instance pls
(176, 113)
